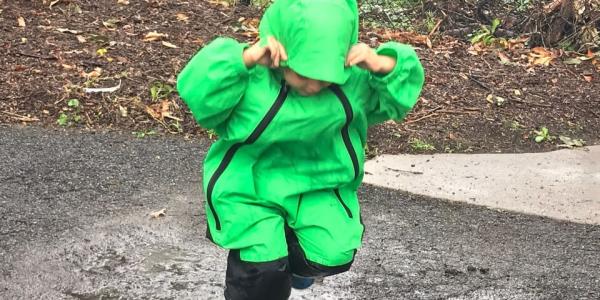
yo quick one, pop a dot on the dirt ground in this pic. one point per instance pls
(50, 53)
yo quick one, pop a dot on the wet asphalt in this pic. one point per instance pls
(74, 224)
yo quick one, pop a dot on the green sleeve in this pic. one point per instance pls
(395, 94)
(214, 81)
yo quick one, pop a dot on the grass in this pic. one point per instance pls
(420, 145)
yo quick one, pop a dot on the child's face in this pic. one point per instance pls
(304, 86)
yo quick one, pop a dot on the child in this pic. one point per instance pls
(291, 113)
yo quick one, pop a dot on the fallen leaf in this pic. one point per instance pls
(21, 21)
(504, 59)
(101, 51)
(68, 67)
(572, 61)
(154, 36)
(182, 17)
(160, 110)
(541, 56)
(110, 24)
(103, 90)
(123, 2)
(587, 78)
(53, 2)
(222, 3)
(66, 30)
(123, 111)
(167, 44)
(20, 68)
(158, 214)
(81, 39)
(93, 74)
(590, 54)
(570, 143)
(518, 93)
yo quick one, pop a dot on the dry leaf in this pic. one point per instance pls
(541, 56)
(93, 74)
(167, 44)
(182, 17)
(160, 110)
(68, 67)
(504, 59)
(123, 2)
(53, 2)
(222, 3)
(123, 111)
(81, 39)
(66, 30)
(21, 21)
(158, 214)
(154, 36)
(588, 78)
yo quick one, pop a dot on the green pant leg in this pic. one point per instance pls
(254, 228)
(328, 226)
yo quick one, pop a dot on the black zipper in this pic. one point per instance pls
(339, 197)
(299, 202)
(345, 133)
(260, 128)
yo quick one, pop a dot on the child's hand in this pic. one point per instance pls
(365, 57)
(269, 55)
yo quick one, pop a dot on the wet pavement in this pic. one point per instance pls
(75, 225)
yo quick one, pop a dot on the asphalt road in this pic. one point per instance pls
(74, 224)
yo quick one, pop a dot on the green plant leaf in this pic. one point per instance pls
(539, 139)
(73, 103)
(495, 25)
(63, 119)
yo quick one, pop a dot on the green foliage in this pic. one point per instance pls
(522, 5)
(144, 133)
(515, 125)
(394, 13)
(212, 134)
(543, 135)
(419, 145)
(486, 34)
(160, 90)
(73, 103)
(63, 119)
(72, 116)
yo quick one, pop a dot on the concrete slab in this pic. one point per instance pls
(562, 184)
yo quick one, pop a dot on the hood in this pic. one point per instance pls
(316, 34)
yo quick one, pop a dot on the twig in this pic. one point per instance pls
(472, 108)
(436, 27)
(404, 171)
(457, 112)
(479, 83)
(420, 119)
(37, 56)
(19, 117)
(531, 103)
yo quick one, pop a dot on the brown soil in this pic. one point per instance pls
(43, 68)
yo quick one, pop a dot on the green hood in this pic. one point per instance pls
(316, 34)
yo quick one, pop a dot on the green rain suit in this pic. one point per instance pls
(286, 168)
